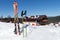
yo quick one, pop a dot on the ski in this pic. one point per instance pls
(16, 20)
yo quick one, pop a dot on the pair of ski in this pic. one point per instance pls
(18, 32)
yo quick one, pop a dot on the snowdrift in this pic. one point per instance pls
(46, 32)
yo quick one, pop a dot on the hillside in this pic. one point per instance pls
(54, 19)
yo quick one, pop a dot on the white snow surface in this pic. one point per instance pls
(46, 32)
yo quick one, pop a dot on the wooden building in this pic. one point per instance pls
(42, 19)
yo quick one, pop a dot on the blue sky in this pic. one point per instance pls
(33, 7)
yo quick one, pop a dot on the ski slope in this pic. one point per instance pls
(46, 32)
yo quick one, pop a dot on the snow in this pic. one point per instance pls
(45, 32)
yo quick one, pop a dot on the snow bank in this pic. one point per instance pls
(46, 32)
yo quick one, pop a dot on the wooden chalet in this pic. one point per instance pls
(42, 19)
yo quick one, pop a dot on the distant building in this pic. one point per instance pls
(41, 19)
